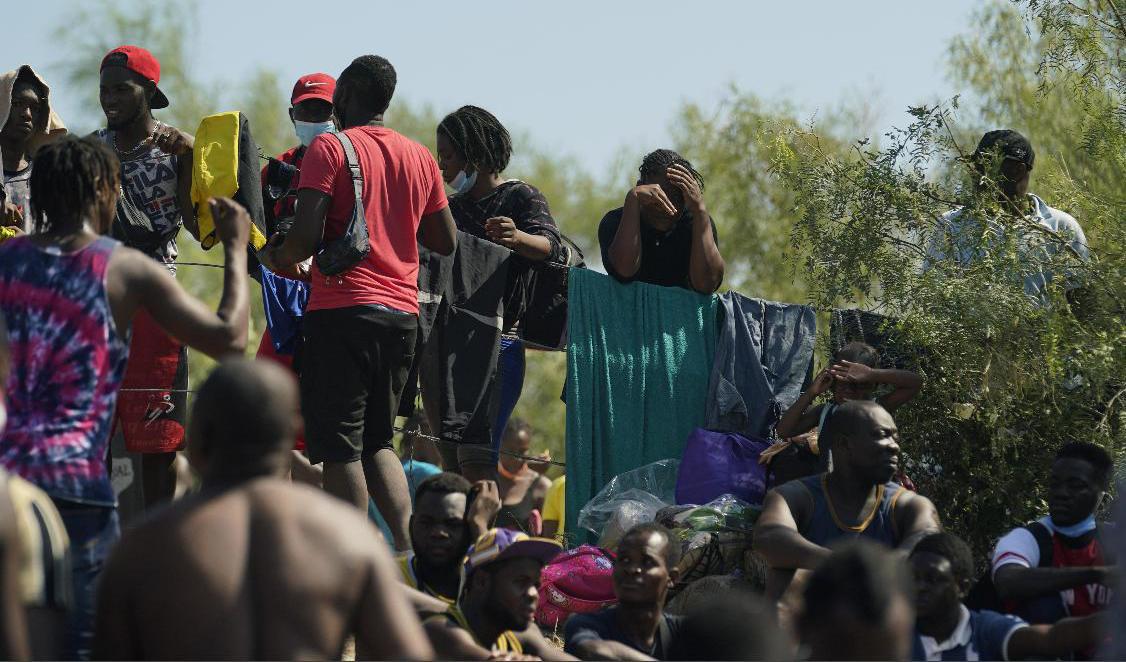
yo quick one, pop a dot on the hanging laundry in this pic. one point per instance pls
(638, 361)
(457, 364)
(764, 358)
(225, 163)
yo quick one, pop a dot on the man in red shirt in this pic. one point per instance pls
(360, 326)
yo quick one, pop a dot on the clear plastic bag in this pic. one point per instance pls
(630, 498)
(725, 513)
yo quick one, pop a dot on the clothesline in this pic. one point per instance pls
(219, 266)
(526, 458)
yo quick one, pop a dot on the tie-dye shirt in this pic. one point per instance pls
(67, 362)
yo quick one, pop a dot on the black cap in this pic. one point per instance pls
(1009, 143)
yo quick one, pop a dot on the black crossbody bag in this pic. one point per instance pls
(342, 254)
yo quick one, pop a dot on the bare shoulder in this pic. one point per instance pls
(915, 511)
(320, 516)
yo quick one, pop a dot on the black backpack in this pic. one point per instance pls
(1046, 609)
(983, 595)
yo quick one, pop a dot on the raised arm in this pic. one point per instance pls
(136, 281)
(801, 417)
(705, 264)
(171, 140)
(905, 382)
(776, 535)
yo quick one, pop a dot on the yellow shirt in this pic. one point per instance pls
(554, 503)
(507, 642)
(406, 568)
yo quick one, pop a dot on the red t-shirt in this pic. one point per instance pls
(402, 183)
(1089, 598)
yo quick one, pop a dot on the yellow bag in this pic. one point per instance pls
(215, 165)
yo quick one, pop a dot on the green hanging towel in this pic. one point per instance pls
(638, 361)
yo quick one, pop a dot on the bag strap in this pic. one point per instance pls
(1043, 536)
(353, 163)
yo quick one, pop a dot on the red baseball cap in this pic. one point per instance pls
(141, 62)
(313, 86)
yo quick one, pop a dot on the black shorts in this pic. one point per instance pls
(354, 367)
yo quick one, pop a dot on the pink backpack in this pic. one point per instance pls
(578, 581)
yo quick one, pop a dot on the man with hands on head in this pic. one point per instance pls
(663, 233)
(449, 514)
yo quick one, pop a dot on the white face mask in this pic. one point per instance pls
(306, 131)
(463, 183)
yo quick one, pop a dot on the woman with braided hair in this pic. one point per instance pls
(474, 148)
(663, 233)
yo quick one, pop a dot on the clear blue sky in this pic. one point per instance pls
(584, 78)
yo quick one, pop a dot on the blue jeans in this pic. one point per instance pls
(93, 531)
(510, 378)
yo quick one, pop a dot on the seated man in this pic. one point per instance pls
(1057, 566)
(448, 515)
(857, 606)
(265, 568)
(663, 233)
(494, 615)
(945, 629)
(638, 628)
(800, 519)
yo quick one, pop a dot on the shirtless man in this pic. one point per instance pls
(267, 569)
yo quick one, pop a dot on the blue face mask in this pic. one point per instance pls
(1077, 529)
(463, 183)
(306, 131)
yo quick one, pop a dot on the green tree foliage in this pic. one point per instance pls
(1009, 378)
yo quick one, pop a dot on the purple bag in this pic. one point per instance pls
(718, 463)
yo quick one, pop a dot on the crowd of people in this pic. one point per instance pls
(311, 535)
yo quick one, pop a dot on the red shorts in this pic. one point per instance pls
(266, 351)
(152, 406)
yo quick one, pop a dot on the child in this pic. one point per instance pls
(853, 375)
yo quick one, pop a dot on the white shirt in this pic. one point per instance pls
(964, 231)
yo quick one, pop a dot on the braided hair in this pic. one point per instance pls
(656, 162)
(479, 137)
(68, 176)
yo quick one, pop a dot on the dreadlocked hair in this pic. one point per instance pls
(480, 138)
(656, 162)
(68, 176)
